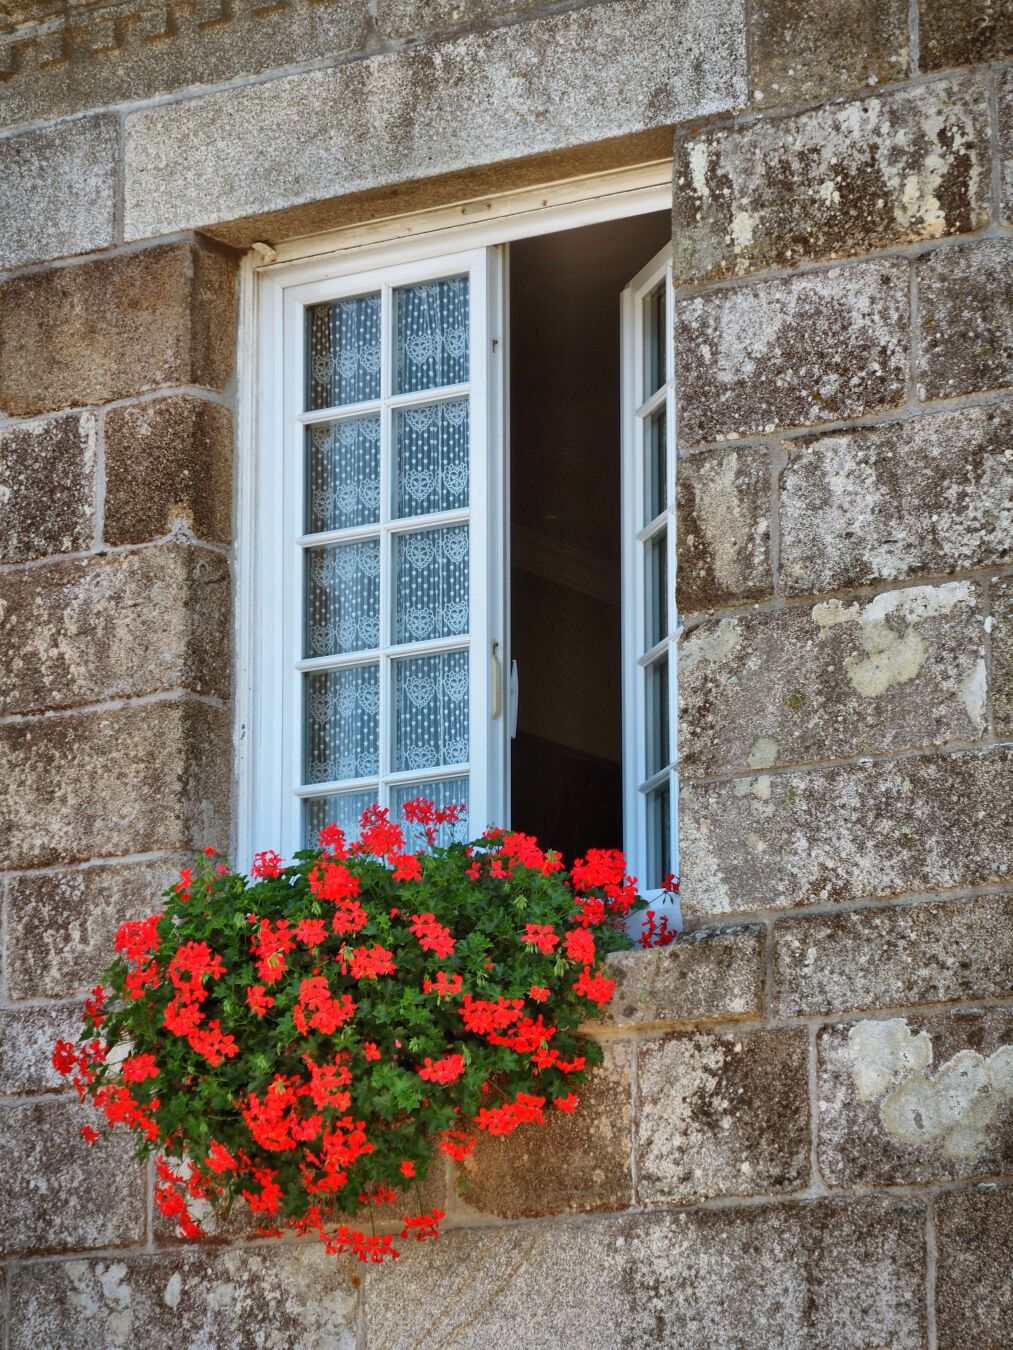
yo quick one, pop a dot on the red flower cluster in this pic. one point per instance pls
(308, 1036)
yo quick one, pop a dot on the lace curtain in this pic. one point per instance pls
(428, 585)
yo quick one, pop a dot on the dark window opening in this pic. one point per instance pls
(565, 578)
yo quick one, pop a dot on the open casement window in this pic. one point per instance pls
(384, 566)
(650, 625)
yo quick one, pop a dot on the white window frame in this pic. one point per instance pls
(269, 610)
(637, 412)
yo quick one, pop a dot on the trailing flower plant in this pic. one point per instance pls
(304, 1039)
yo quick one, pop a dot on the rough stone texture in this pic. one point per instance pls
(832, 182)
(792, 352)
(1004, 100)
(56, 1193)
(722, 1115)
(708, 974)
(916, 1099)
(596, 73)
(573, 1163)
(59, 191)
(1002, 655)
(165, 771)
(724, 529)
(127, 623)
(47, 487)
(412, 18)
(974, 1293)
(61, 925)
(965, 299)
(103, 330)
(840, 834)
(128, 49)
(804, 49)
(888, 958)
(273, 1294)
(927, 496)
(27, 1037)
(166, 461)
(963, 32)
(903, 670)
(822, 1276)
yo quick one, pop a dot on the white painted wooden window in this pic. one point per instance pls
(379, 553)
(650, 623)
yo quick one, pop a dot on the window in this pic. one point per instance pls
(377, 588)
(650, 627)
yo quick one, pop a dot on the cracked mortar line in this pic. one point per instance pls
(931, 1262)
(634, 1044)
(5, 888)
(99, 518)
(83, 864)
(178, 694)
(98, 254)
(897, 415)
(778, 460)
(767, 997)
(223, 400)
(978, 573)
(817, 1185)
(913, 37)
(175, 536)
(120, 184)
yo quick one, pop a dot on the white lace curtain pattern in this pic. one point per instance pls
(342, 724)
(428, 697)
(344, 352)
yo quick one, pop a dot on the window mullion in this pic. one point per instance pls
(386, 539)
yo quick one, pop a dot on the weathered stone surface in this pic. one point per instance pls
(118, 326)
(59, 191)
(1004, 101)
(965, 300)
(61, 925)
(414, 18)
(47, 487)
(240, 1298)
(832, 182)
(803, 49)
(794, 352)
(930, 495)
(916, 1099)
(724, 529)
(124, 50)
(890, 957)
(903, 670)
(165, 771)
(573, 1163)
(166, 461)
(722, 1115)
(27, 1037)
(58, 1194)
(699, 1280)
(974, 1293)
(479, 99)
(126, 623)
(963, 32)
(705, 975)
(1002, 655)
(864, 830)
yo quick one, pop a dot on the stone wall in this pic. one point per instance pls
(803, 1132)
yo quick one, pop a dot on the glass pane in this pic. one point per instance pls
(445, 792)
(343, 351)
(431, 584)
(431, 335)
(655, 466)
(431, 469)
(343, 474)
(655, 341)
(431, 711)
(658, 838)
(342, 598)
(656, 587)
(657, 715)
(341, 720)
(344, 809)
